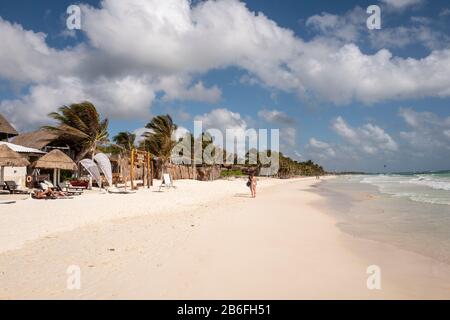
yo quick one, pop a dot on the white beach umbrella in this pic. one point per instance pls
(105, 166)
(93, 170)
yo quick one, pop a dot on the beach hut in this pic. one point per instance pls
(9, 158)
(6, 129)
(46, 140)
(38, 139)
(18, 174)
(56, 160)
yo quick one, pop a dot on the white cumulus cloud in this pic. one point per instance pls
(276, 116)
(368, 138)
(138, 49)
(402, 4)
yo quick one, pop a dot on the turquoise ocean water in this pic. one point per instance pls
(433, 188)
(410, 211)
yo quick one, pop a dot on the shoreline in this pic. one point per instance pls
(280, 245)
(410, 273)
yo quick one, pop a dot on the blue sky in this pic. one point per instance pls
(345, 96)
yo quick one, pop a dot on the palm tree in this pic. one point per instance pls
(160, 140)
(81, 123)
(125, 140)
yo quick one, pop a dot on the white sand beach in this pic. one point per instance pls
(203, 240)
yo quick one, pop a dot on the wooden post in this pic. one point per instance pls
(132, 169)
(143, 172)
(151, 169)
(55, 173)
(148, 169)
(119, 157)
(2, 175)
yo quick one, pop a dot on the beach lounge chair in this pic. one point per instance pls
(62, 186)
(2, 190)
(79, 184)
(166, 182)
(14, 188)
(54, 194)
(43, 186)
(78, 188)
(48, 183)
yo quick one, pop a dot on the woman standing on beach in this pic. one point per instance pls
(251, 183)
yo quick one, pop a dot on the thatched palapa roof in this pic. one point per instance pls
(9, 158)
(6, 129)
(36, 139)
(55, 159)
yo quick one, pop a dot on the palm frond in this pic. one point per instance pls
(81, 122)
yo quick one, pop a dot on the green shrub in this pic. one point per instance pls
(231, 173)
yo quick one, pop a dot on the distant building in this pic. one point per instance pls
(18, 174)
